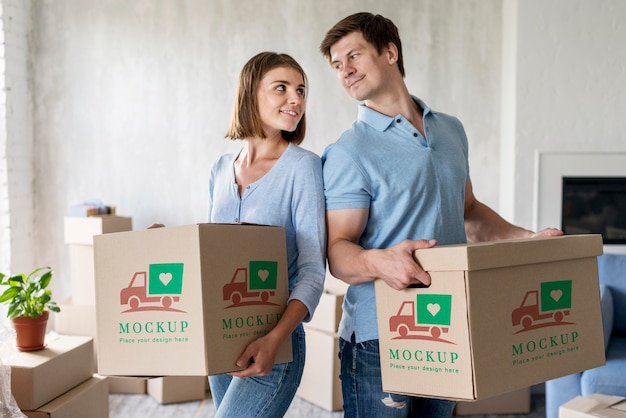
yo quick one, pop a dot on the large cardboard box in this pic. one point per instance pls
(498, 316)
(595, 405)
(320, 382)
(88, 399)
(37, 377)
(187, 300)
(173, 389)
(516, 402)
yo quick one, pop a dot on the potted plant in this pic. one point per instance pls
(29, 303)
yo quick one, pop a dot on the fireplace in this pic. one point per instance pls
(595, 205)
(582, 193)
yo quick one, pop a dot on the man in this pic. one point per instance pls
(396, 181)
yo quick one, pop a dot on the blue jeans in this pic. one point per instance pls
(265, 396)
(362, 387)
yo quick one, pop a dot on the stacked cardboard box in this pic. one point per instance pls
(58, 381)
(320, 383)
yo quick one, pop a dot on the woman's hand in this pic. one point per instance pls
(259, 355)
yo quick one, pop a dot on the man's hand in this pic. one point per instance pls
(396, 265)
(353, 264)
(547, 232)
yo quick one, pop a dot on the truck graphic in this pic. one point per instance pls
(429, 314)
(546, 306)
(252, 285)
(155, 289)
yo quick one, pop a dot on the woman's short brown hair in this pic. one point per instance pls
(245, 121)
(376, 29)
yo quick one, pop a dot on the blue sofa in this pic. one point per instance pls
(611, 378)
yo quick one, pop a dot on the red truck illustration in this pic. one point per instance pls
(162, 285)
(432, 316)
(254, 283)
(550, 304)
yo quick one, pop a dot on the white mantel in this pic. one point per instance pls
(551, 167)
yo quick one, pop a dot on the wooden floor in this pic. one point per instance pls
(134, 406)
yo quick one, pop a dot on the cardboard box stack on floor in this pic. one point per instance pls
(497, 317)
(58, 381)
(320, 383)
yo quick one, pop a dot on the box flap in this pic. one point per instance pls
(597, 405)
(506, 253)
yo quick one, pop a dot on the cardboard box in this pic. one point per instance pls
(80, 230)
(327, 314)
(516, 402)
(187, 300)
(173, 389)
(77, 320)
(82, 275)
(136, 385)
(596, 405)
(37, 377)
(320, 382)
(498, 316)
(90, 398)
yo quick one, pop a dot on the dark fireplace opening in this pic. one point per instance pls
(595, 205)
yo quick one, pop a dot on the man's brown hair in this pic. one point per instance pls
(245, 121)
(376, 29)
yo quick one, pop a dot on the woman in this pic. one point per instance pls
(272, 181)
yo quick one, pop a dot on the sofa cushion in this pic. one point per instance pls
(612, 272)
(606, 305)
(609, 379)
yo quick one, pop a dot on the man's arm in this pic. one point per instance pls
(483, 224)
(353, 264)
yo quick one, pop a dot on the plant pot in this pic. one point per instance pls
(30, 332)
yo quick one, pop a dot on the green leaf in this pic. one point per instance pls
(9, 294)
(45, 279)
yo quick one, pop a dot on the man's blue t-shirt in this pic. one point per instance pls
(414, 188)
